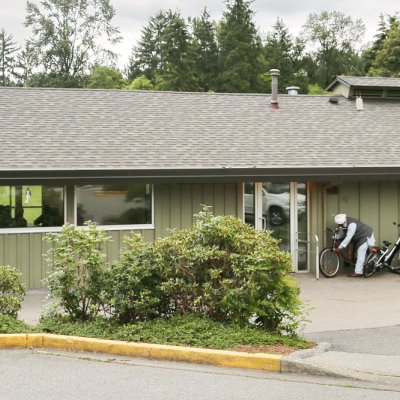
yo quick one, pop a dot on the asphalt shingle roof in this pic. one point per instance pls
(77, 129)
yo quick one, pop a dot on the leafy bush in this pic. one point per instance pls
(76, 276)
(11, 291)
(220, 268)
(133, 290)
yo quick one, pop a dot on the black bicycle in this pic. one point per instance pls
(329, 258)
(382, 257)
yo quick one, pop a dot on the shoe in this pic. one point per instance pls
(354, 275)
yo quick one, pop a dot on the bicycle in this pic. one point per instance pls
(329, 258)
(382, 257)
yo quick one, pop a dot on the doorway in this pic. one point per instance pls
(280, 207)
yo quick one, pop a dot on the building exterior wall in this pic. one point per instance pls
(373, 202)
(174, 207)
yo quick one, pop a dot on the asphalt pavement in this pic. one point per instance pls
(355, 323)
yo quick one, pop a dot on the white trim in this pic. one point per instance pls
(120, 227)
(39, 229)
(293, 221)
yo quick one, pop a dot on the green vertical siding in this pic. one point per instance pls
(373, 202)
(174, 206)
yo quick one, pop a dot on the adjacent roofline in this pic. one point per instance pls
(346, 81)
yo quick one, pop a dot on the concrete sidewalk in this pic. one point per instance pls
(355, 321)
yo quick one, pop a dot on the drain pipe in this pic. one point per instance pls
(274, 86)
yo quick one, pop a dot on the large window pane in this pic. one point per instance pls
(26, 206)
(114, 204)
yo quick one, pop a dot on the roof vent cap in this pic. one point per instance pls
(359, 104)
(334, 100)
(293, 90)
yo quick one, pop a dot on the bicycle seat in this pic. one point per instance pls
(386, 243)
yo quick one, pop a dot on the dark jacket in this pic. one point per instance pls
(363, 232)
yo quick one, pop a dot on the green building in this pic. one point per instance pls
(147, 161)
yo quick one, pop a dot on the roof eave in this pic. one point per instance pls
(194, 175)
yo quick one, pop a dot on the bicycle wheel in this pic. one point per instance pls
(370, 265)
(329, 262)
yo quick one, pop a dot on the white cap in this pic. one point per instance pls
(340, 219)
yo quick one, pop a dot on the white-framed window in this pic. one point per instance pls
(32, 208)
(115, 206)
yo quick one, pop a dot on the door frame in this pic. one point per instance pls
(260, 222)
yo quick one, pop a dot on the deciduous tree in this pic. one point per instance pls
(68, 37)
(334, 39)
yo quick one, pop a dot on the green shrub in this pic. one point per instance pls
(77, 263)
(133, 290)
(220, 268)
(11, 291)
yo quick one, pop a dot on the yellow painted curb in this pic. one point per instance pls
(260, 361)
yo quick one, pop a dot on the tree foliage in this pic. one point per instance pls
(334, 39)
(241, 60)
(103, 77)
(205, 51)
(68, 37)
(146, 56)
(281, 53)
(140, 83)
(383, 58)
(8, 58)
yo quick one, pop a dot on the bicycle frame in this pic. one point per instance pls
(347, 258)
(382, 257)
(386, 254)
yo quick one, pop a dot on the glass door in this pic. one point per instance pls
(282, 208)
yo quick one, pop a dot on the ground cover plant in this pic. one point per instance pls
(180, 330)
(10, 324)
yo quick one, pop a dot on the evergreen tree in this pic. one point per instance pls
(8, 60)
(205, 51)
(241, 60)
(384, 26)
(145, 58)
(387, 60)
(177, 72)
(279, 53)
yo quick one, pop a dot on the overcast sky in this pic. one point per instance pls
(131, 15)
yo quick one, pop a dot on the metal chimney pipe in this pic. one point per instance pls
(293, 90)
(274, 86)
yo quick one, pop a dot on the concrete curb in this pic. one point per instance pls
(302, 362)
(259, 361)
